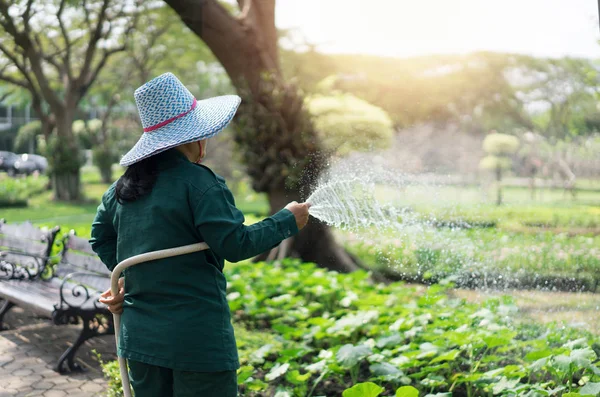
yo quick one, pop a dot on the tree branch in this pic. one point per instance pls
(94, 74)
(91, 49)
(245, 8)
(68, 44)
(27, 15)
(6, 95)
(22, 40)
(15, 81)
(20, 66)
(50, 58)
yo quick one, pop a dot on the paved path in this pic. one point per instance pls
(30, 348)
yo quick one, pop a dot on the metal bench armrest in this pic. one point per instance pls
(9, 270)
(81, 292)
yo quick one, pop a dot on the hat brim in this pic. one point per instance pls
(209, 118)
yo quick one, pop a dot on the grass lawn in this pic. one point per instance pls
(527, 241)
(44, 211)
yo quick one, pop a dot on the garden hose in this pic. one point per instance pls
(114, 288)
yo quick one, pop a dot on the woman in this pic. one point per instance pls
(176, 328)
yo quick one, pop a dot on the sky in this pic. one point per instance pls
(404, 28)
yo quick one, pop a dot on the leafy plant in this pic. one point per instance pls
(304, 331)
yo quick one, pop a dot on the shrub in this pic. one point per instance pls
(14, 192)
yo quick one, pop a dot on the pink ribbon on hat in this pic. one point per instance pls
(162, 124)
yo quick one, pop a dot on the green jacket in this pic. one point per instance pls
(175, 312)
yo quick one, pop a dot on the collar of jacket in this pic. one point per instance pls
(170, 158)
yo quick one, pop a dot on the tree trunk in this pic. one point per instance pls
(66, 185)
(106, 174)
(277, 139)
(65, 163)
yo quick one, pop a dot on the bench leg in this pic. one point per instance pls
(6, 306)
(68, 357)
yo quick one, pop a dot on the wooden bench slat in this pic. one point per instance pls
(79, 244)
(26, 246)
(20, 260)
(24, 230)
(98, 282)
(36, 296)
(82, 262)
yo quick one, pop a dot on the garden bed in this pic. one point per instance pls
(318, 333)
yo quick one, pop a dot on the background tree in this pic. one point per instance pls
(278, 142)
(563, 93)
(25, 141)
(500, 148)
(347, 124)
(55, 50)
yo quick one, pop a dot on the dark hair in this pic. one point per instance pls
(137, 181)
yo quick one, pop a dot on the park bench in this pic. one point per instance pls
(70, 296)
(24, 250)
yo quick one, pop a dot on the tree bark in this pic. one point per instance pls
(278, 140)
(64, 158)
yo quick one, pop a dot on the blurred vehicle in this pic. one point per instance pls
(30, 163)
(7, 162)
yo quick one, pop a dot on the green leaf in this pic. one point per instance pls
(504, 385)
(537, 355)
(583, 358)
(571, 395)
(277, 371)
(448, 356)
(390, 341)
(590, 388)
(296, 378)
(387, 370)
(581, 342)
(366, 389)
(495, 341)
(407, 391)
(244, 373)
(258, 357)
(350, 355)
(562, 363)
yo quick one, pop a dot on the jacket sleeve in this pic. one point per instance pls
(104, 235)
(221, 225)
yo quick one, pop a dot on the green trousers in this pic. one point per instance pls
(152, 381)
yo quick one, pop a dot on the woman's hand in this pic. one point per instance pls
(114, 303)
(300, 212)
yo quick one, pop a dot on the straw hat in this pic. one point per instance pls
(171, 116)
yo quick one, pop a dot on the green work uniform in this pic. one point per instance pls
(175, 312)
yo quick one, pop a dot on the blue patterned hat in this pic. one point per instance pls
(171, 116)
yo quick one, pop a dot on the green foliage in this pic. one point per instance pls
(366, 389)
(312, 331)
(495, 162)
(27, 134)
(279, 152)
(14, 192)
(481, 91)
(516, 259)
(86, 132)
(500, 144)
(64, 154)
(104, 156)
(112, 373)
(346, 123)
